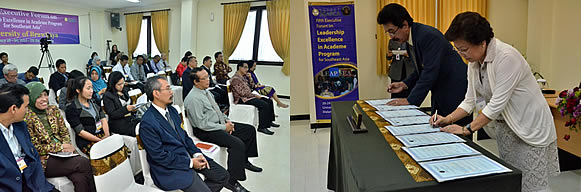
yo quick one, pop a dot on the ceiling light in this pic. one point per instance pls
(133, 1)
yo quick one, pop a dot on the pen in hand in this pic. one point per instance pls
(435, 118)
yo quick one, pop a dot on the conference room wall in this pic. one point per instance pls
(553, 41)
(76, 55)
(210, 39)
(120, 37)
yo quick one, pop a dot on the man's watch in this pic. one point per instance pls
(469, 128)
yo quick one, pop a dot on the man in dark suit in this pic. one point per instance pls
(439, 68)
(20, 166)
(219, 92)
(173, 158)
(59, 78)
(187, 83)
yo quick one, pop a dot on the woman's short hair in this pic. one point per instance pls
(470, 27)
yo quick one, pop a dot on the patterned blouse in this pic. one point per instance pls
(241, 89)
(221, 71)
(41, 139)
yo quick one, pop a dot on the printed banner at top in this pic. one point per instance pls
(28, 27)
(334, 54)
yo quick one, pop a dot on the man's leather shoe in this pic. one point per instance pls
(274, 125)
(251, 167)
(236, 187)
(265, 131)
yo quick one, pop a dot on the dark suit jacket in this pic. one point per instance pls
(80, 120)
(168, 153)
(57, 81)
(187, 83)
(117, 113)
(441, 70)
(10, 176)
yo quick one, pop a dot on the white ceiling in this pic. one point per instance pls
(106, 4)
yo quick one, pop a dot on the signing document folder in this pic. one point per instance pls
(445, 151)
(412, 129)
(464, 167)
(428, 139)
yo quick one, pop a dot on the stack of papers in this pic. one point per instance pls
(428, 139)
(400, 113)
(412, 129)
(378, 102)
(464, 167)
(393, 107)
(445, 151)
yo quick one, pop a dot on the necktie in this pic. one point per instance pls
(216, 108)
(413, 56)
(170, 121)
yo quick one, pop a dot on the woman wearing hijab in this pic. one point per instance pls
(99, 85)
(49, 135)
(117, 106)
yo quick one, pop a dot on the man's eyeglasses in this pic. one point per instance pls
(392, 33)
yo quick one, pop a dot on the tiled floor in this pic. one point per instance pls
(274, 158)
(310, 153)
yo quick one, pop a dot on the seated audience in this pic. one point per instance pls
(30, 75)
(118, 108)
(99, 85)
(173, 158)
(262, 89)
(186, 81)
(243, 95)
(90, 62)
(123, 67)
(62, 97)
(182, 66)
(49, 134)
(221, 69)
(59, 78)
(17, 149)
(162, 63)
(11, 75)
(219, 92)
(85, 116)
(211, 125)
(137, 69)
(153, 64)
(3, 62)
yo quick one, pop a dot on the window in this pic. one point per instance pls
(255, 43)
(146, 44)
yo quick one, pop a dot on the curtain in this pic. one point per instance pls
(448, 9)
(278, 12)
(422, 11)
(234, 20)
(133, 23)
(159, 23)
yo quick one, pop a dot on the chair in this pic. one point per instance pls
(112, 170)
(148, 181)
(134, 94)
(52, 97)
(63, 184)
(240, 113)
(72, 135)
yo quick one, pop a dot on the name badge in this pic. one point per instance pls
(21, 164)
(99, 125)
(480, 104)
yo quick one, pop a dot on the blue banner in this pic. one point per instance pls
(334, 55)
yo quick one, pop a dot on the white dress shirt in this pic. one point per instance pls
(12, 141)
(126, 71)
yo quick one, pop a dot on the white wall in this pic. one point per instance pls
(75, 55)
(210, 39)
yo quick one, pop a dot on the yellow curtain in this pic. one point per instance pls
(234, 20)
(278, 12)
(133, 23)
(159, 23)
(422, 11)
(448, 9)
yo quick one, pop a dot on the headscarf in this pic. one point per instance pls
(35, 88)
(99, 83)
(95, 60)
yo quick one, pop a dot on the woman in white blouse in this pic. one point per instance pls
(503, 90)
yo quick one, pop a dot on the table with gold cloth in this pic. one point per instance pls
(374, 161)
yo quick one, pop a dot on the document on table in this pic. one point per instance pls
(464, 167)
(433, 152)
(400, 113)
(377, 102)
(400, 121)
(412, 129)
(428, 139)
(393, 107)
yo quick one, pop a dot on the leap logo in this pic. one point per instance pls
(334, 72)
